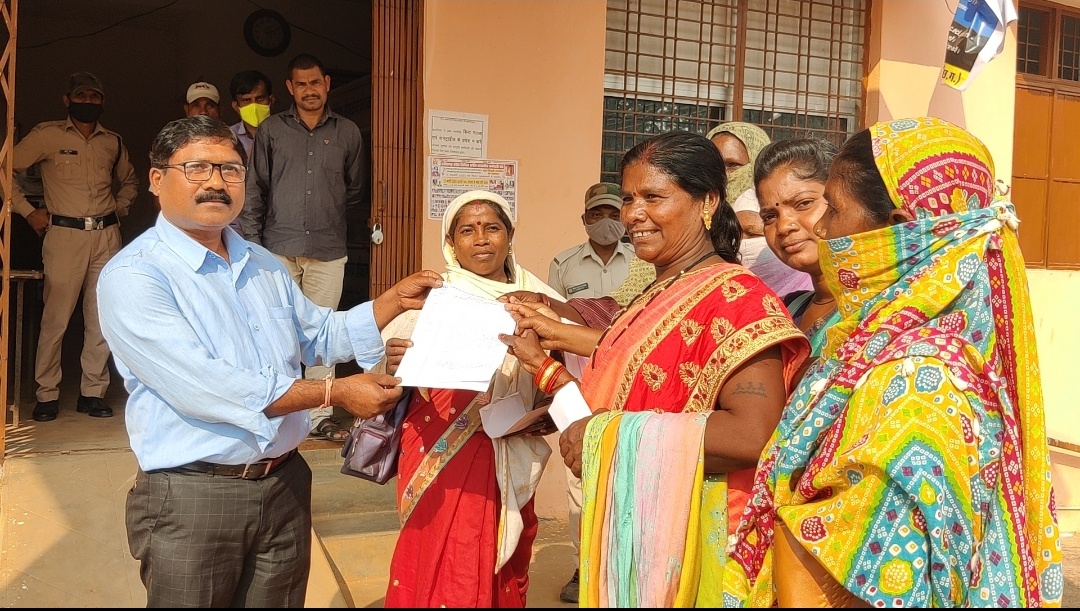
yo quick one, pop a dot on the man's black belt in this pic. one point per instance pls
(87, 223)
(256, 470)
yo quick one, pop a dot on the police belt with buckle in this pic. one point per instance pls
(88, 223)
(256, 470)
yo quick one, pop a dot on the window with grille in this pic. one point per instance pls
(1048, 42)
(793, 67)
(1030, 41)
(1069, 43)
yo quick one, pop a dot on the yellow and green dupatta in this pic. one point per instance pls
(654, 526)
(911, 460)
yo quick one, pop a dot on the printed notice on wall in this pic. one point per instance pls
(457, 134)
(449, 177)
(976, 36)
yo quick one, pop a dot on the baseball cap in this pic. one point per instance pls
(202, 90)
(603, 194)
(82, 81)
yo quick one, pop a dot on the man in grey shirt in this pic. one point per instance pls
(306, 168)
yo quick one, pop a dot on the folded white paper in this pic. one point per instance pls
(568, 406)
(456, 341)
(508, 416)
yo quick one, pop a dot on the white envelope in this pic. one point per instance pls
(508, 416)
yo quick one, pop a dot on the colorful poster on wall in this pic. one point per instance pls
(976, 36)
(457, 134)
(449, 177)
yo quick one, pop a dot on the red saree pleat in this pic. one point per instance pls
(445, 554)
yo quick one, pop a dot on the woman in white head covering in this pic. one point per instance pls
(465, 499)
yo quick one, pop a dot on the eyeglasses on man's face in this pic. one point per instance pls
(201, 171)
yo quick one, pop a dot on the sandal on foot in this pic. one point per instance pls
(330, 430)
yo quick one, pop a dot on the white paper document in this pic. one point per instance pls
(456, 341)
(568, 406)
(509, 415)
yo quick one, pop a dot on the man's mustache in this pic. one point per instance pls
(214, 196)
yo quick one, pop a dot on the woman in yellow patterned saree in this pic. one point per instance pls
(910, 466)
(687, 386)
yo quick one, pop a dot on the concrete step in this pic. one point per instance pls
(356, 523)
(334, 494)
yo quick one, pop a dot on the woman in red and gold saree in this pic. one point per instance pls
(465, 499)
(686, 387)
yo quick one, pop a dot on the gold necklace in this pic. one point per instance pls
(647, 290)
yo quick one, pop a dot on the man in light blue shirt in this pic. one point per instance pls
(209, 332)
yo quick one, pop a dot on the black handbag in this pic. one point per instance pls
(371, 451)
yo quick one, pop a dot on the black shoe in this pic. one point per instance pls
(569, 592)
(94, 406)
(45, 411)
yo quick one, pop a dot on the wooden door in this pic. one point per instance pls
(1046, 175)
(9, 10)
(1031, 169)
(1063, 194)
(397, 194)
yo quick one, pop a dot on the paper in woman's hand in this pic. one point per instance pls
(456, 341)
(568, 406)
(509, 416)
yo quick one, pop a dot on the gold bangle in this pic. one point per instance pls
(538, 376)
(549, 385)
(544, 376)
(550, 367)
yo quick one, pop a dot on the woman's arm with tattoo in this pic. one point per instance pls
(747, 412)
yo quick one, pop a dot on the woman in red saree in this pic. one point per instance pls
(465, 499)
(686, 387)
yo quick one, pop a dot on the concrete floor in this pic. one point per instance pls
(63, 543)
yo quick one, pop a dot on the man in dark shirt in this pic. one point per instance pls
(306, 168)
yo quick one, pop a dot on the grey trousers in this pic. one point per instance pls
(208, 541)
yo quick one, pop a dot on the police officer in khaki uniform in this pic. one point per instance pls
(79, 160)
(598, 266)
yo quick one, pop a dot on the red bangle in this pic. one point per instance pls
(553, 379)
(538, 377)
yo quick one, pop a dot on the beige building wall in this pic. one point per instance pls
(904, 58)
(904, 81)
(536, 69)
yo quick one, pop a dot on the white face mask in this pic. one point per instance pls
(606, 231)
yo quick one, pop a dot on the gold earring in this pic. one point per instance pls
(705, 217)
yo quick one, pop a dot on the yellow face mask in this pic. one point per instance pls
(254, 114)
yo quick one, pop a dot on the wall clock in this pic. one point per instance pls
(267, 32)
